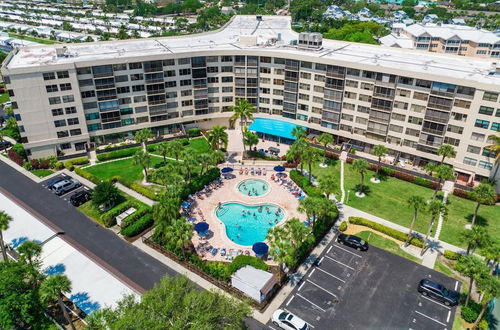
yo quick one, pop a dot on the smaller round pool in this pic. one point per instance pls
(253, 187)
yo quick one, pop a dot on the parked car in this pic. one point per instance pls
(64, 186)
(288, 321)
(80, 197)
(353, 241)
(438, 292)
(57, 179)
(4, 144)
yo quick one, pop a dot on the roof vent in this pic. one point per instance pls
(310, 40)
(259, 17)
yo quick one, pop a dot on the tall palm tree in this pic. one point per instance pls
(164, 212)
(417, 203)
(143, 136)
(217, 137)
(296, 152)
(205, 160)
(250, 139)
(278, 246)
(361, 166)
(311, 206)
(189, 163)
(328, 185)
(164, 149)
(473, 267)
(143, 159)
(495, 148)
(168, 175)
(216, 157)
(53, 289)
(29, 253)
(310, 156)
(325, 139)
(180, 233)
(443, 172)
(5, 219)
(490, 287)
(446, 151)
(483, 194)
(430, 168)
(299, 132)
(476, 238)
(380, 151)
(176, 148)
(243, 110)
(435, 208)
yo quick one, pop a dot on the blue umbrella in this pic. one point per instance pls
(226, 170)
(185, 205)
(201, 227)
(260, 248)
(279, 168)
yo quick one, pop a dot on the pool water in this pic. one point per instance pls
(255, 187)
(242, 227)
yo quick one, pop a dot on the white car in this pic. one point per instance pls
(288, 321)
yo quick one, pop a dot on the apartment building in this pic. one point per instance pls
(66, 96)
(446, 38)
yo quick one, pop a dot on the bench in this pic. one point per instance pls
(123, 215)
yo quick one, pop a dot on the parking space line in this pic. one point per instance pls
(436, 302)
(338, 247)
(333, 294)
(312, 272)
(327, 273)
(329, 249)
(448, 317)
(456, 285)
(430, 318)
(289, 301)
(340, 262)
(300, 287)
(286, 310)
(301, 296)
(321, 260)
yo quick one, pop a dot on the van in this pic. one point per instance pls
(64, 186)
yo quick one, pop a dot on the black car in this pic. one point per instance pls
(80, 197)
(438, 292)
(353, 241)
(4, 144)
(57, 179)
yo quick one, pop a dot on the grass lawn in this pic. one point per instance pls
(29, 38)
(386, 244)
(196, 146)
(95, 214)
(4, 97)
(440, 267)
(124, 168)
(42, 173)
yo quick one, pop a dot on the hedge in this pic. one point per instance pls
(242, 261)
(343, 226)
(70, 164)
(139, 213)
(193, 132)
(138, 226)
(305, 184)
(15, 157)
(471, 312)
(386, 230)
(136, 187)
(87, 175)
(451, 255)
(198, 183)
(118, 154)
(109, 218)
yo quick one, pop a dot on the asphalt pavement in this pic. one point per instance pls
(134, 267)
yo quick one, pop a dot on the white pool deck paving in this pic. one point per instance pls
(92, 286)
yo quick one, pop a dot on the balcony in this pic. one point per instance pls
(430, 143)
(437, 119)
(433, 131)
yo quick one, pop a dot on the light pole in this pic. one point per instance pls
(347, 199)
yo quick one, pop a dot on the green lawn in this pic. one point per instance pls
(386, 244)
(196, 146)
(4, 97)
(440, 267)
(42, 173)
(124, 168)
(29, 38)
(95, 214)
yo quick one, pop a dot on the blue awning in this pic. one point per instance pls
(273, 127)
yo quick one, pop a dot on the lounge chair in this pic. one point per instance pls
(214, 251)
(223, 252)
(247, 253)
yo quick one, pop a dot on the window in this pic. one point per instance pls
(73, 121)
(51, 88)
(187, 92)
(70, 110)
(88, 94)
(486, 110)
(121, 78)
(55, 100)
(455, 129)
(452, 141)
(86, 70)
(395, 128)
(122, 90)
(49, 76)
(76, 131)
(62, 134)
(319, 77)
(415, 120)
(59, 123)
(57, 112)
(136, 76)
(65, 87)
(477, 137)
(89, 105)
(305, 75)
(420, 96)
(473, 149)
(186, 82)
(62, 74)
(403, 92)
(482, 123)
(119, 67)
(184, 61)
(64, 146)
(485, 165)
(490, 96)
(495, 127)
(68, 98)
(461, 104)
(399, 117)
(92, 116)
(94, 127)
(423, 83)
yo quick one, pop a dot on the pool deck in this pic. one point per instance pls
(278, 195)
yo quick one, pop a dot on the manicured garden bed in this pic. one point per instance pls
(42, 173)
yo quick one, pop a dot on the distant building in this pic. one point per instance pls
(430, 18)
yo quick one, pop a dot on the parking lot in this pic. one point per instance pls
(68, 194)
(367, 290)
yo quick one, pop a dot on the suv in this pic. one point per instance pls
(438, 292)
(64, 186)
(80, 197)
(57, 179)
(353, 241)
(288, 321)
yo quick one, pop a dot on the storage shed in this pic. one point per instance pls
(253, 282)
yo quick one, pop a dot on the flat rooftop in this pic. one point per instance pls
(267, 31)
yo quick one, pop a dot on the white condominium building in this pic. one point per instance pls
(67, 96)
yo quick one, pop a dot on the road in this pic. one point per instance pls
(134, 267)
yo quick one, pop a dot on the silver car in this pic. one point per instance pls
(64, 186)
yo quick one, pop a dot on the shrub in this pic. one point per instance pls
(461, 193)
(304, 184)
(450, 255)
(136, 187)
(109, 218)
(59, 166)
(106, 193)
(193, 132)
(343, 226)
(483, 324)
(200, 182)
(152, 147)
(28, 166)
(471, 312)
(19, 149)
(422, 182)
(331, 155)
(87, 175)
(242, 261)
(15, 157)
(118, 154)
(131, 219)
(139, 226)
(386, 230)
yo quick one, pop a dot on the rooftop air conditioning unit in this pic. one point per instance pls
(310, 40)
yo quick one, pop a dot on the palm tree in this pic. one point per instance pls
(168, 175)
(380, 151)
(143, 136)
(491, 252)
(483, 194)
(361, 166)
(180, 233)
(189, 163)
(278, 246)
(473, 267)
(164, 149)
(205, 159)
(216, 157)
(490, 287)
(495, 149)
(311, 206)
(430, 168)
(325, 139)
(250, 139)
(328, 184)
(143, 159)
(447, 151)
(164, 212)
(29, 253)
(296, 152)
(476, 238)
(310, 156)
(5, 219)
(176, 148)
(243, 110)
(217, 137)
(299, 132)
(417, 203)
(53, 289)
(443, 172)
(435, 208)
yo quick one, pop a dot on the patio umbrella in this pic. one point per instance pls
(260, 248)
(226, 170)
(279, 168)
(201, 228)
(185, 205)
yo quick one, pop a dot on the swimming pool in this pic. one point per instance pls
(242, 227)
(253, 187)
